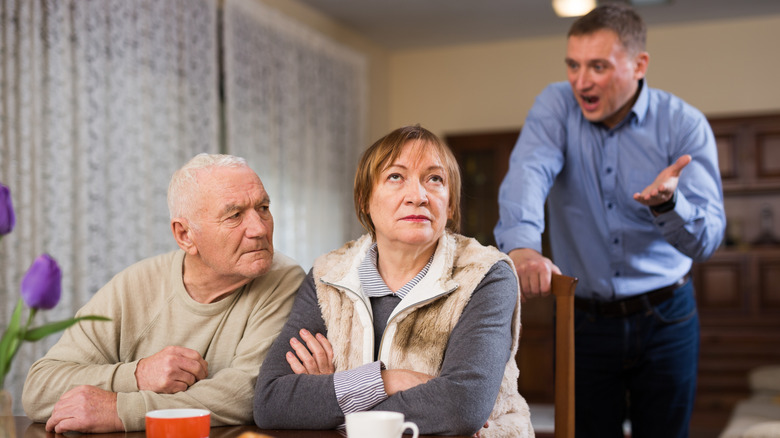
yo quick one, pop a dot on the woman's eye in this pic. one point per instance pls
(436, 179)
(394, 177)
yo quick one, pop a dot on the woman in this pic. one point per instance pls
(411, 317)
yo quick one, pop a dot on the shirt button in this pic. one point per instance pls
(609, 205)
(609, 170)
(617, 274)
(616, 241)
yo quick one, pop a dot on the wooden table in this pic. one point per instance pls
(25, 428)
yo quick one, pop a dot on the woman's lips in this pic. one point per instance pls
(415, 218)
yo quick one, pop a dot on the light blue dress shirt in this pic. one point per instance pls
(598, 232)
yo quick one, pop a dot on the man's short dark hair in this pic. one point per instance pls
(617, 17)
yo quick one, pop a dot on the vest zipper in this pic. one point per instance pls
(415, 304)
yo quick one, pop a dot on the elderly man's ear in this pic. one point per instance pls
(182, 232)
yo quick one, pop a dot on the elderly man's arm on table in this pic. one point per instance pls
(475, 359)
(93, 386)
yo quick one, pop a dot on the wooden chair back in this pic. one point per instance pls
(563, 289)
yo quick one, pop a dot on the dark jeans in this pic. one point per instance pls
(641, 367)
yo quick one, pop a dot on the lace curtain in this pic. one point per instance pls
(100, 101)
(295, 107)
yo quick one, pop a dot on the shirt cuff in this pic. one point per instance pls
(359, 389)
(519, 236)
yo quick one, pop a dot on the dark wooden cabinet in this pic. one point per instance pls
(738, 289)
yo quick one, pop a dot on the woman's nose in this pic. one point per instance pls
(416, 193)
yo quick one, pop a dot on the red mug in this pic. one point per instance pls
(178, 423)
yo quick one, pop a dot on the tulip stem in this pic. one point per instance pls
(33, 311)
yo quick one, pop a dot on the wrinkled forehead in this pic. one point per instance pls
(219, 185)
(412, 151)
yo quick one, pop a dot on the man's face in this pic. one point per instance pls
(233, 229)
(603, 75)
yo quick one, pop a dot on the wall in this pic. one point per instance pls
(722, 67)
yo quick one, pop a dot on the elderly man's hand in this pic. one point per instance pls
(85, 409)
(534, 272)
(171, 370)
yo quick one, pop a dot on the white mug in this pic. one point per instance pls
(378, 424)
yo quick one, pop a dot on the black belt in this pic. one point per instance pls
(631, 305)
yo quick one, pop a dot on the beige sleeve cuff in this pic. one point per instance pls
(131, 409)
(124, 378)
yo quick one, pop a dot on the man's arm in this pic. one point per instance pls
(227, 392)
(86, 354)
(695, 224)
(536, 160)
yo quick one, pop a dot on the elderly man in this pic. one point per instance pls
(189, 328)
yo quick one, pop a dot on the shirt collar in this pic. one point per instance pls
(374, 286)
(642, 102)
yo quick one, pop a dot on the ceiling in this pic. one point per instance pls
(404, 24)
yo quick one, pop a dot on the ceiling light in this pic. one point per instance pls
(573, 8)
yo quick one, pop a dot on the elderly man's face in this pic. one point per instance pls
(234, 227)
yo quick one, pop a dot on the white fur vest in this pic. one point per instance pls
(419, 327)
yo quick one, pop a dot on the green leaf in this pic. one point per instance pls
(10, 342)
(38, 333)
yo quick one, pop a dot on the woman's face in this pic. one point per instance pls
(409, 204)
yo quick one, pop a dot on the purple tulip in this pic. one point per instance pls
(42, 284)
(7, 217)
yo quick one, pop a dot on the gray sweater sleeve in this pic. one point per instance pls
(461, 398)
(284, 400)
(457, 402)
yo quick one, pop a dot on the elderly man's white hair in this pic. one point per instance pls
(183, 189)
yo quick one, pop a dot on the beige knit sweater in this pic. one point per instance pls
(150, 309)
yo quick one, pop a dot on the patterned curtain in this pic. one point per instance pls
(294, 108)
(100, 101)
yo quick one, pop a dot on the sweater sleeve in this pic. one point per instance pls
(285, 400)
(227, 393)
(461, 398)
(86, 354)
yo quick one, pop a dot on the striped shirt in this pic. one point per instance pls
(362, 388)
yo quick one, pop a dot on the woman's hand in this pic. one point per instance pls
(316, 357)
